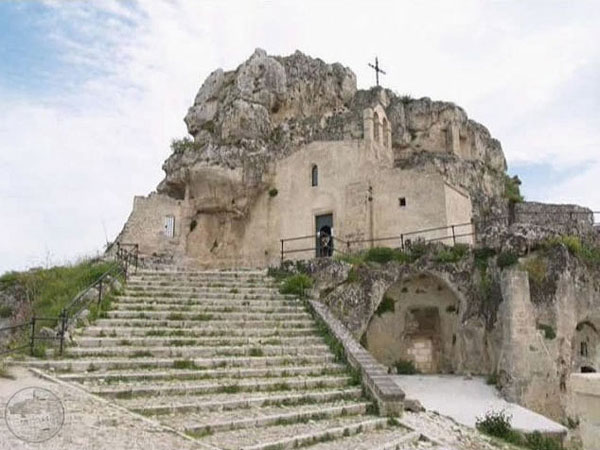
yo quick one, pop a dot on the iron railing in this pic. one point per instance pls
(127, 259)
(452, 233)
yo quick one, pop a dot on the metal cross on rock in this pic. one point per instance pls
(377, 70)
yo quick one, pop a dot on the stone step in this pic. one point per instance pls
(223, 385)
(205, 324)
(225, 307)
(197, 291)
(280, 372)
(184, 270)
(288, 436)
(227, 402)
(205, 332)
(149, 295)
(382, 437)
(218, 302)
(196, 342)
(261, 417)
(170, 276)
(235, 284)
(103, 364)
(195, 351)
(197, 316)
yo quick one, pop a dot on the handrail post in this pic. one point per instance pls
(63, 329)
(402, 241)
(453, 236)
(32, 340)
(100, 292)
(281, 250)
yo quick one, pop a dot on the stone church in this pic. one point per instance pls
(290, 160)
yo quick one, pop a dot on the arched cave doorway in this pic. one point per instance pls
(416, 321)
(585, 347)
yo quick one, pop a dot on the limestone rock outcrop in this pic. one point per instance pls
(270, 106)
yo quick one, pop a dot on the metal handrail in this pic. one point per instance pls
(125, 259)
(453, 228)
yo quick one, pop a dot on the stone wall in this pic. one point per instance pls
(584, 407)
(568, 219)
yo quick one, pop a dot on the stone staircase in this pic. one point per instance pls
(225, 358)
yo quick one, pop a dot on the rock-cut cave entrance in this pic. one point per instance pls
(416, 322)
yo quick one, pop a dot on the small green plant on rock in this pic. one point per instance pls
(507, 259)
(386, 305)
(549, 332)
(296, 285)
(452, 254)
(273, 192)
(405, 367)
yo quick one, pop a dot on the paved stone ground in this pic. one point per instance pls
(90, 423)
(465, 400)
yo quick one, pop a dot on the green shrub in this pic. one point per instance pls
(386, 305)
(296, 285)
(549, 332)
(537, 268)
(380, 255)
(481, 256)
(181, 145)
(506, 259)
(405, 367)
(452, 254)
(512, 191)
(39, 351)
(5, 311)
(492, 379)
(496, 423)
(273, 192)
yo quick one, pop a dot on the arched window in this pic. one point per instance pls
(315, 175)
(376, 131)
(384, 138)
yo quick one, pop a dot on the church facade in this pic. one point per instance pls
(326, 197)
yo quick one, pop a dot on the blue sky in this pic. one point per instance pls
(93, 92)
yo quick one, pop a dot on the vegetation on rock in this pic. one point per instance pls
(296, 285)
(498, 424)
(512, 191)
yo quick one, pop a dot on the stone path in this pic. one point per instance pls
(465, 400)
(90, 423)
(226, 360)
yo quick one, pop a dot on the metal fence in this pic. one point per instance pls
(465, 233)
(26, 334)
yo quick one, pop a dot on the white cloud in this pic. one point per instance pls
(72, 160)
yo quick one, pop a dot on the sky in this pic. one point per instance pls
(92, 93)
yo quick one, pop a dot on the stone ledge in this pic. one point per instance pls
(378, 384)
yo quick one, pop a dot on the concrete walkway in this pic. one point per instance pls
(465, 400)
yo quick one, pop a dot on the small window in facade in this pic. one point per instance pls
(169, 226)
(315, 176)
(402, 202)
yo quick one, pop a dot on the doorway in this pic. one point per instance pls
(324, 228)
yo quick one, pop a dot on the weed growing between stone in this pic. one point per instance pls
(498, 424)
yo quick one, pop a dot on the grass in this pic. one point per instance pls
(498, 424)
(296, 285)
(587, 253)
(452, 254)
(49, 290)
(536, 268)
(256, 352)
